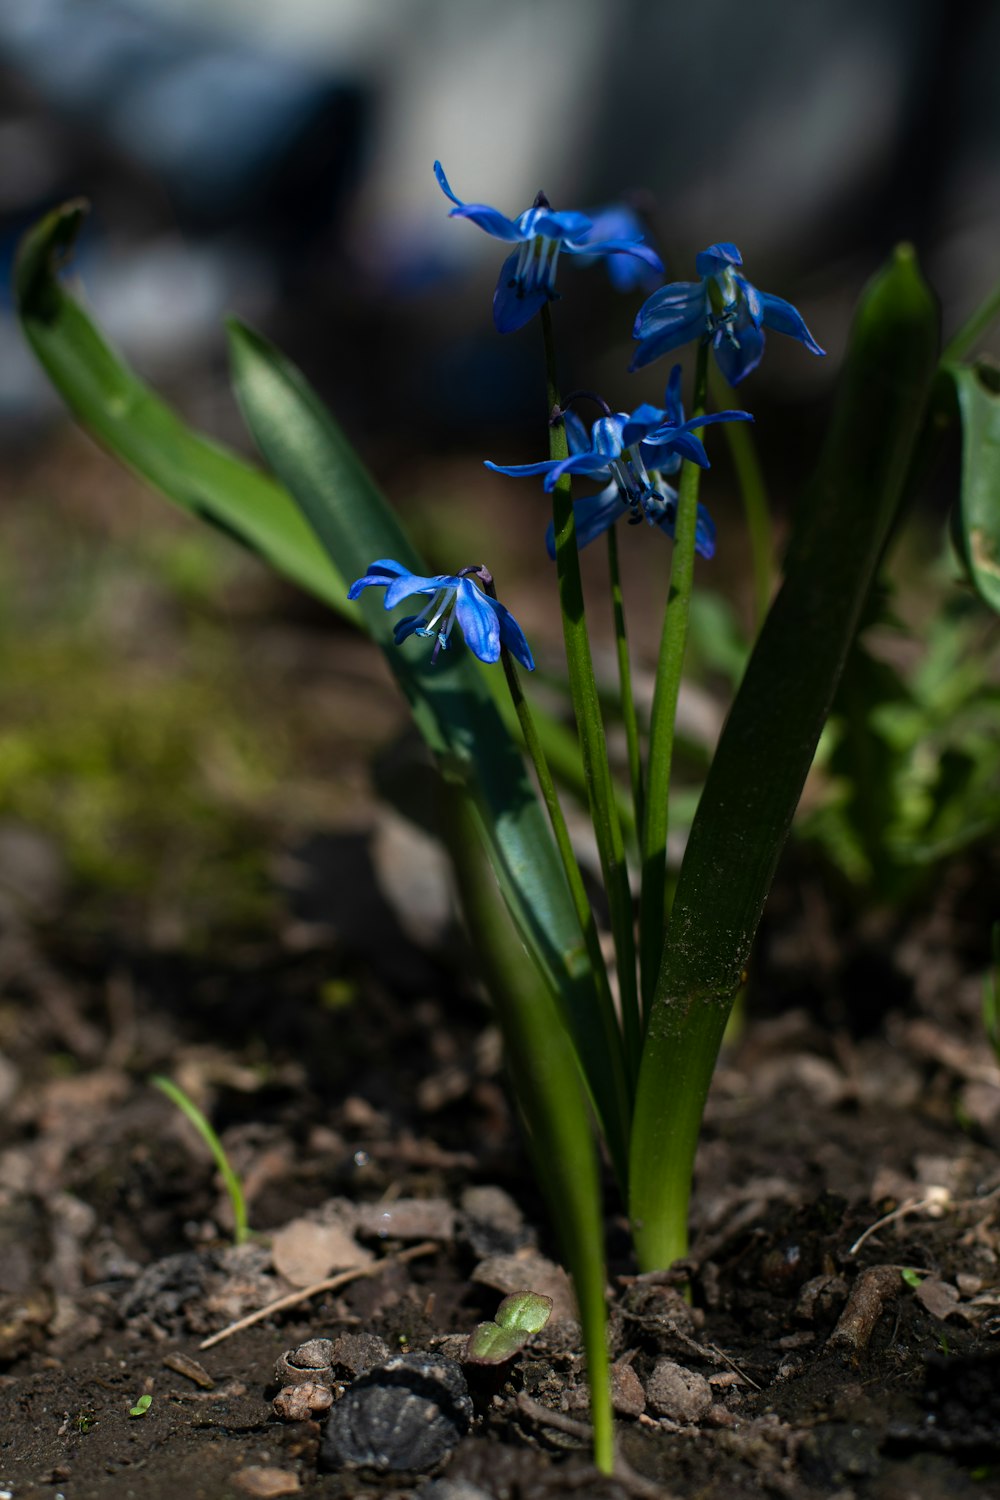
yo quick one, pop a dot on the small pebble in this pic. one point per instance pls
(627, 1395)
(675, 1392)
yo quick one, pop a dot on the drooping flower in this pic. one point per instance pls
(630, 453)
(527, 277)
(723, 307)
(619, 221)
(485, 623)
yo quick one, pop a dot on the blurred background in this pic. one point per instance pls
(276, 161)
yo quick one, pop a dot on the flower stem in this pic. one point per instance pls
(615, 1098)
(586, 706)
(652, 911)
(625, 677)
(750, 477)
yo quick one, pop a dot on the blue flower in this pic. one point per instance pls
(620, 222)
(630, 452)
(723, 307)
(485, 623)
(527, 276)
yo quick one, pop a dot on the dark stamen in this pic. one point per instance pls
(541, 201)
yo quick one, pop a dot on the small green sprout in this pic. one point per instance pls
(141, 1407)
(241, 1228)
(518, 1317)
(911, 1277)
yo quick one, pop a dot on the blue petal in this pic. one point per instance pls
(717, 258)
(512, 306)
(784, 318)
(641, 424)
(490, 219)
(677, 303)
(606, 438)
(412, 583)
(379, 573)
(512, 636)
(404, 628)
(576, 433)
(565, 225)
(672, 403)
(688, 446)
(735, 362)
(591, 517)
(704, 535)
(751, 299)
(478, 620)
(524, 471)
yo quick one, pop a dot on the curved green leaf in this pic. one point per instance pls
(124, 415)
(770, 737)
(453, 708)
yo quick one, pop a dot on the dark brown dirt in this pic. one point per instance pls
(349, 1063)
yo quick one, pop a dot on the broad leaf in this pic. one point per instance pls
(125, 416)
(770, 737)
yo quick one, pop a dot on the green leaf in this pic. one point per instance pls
(125, 416)
(978, 390)
(769, 739)
(453, 709)
(529, 1311)
(552, 1106)
(518, 1317)
(141, 1407)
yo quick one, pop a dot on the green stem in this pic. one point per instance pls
(652, 911)
(616, 1129)
(970, 330)
(583, 690)
(753, 490)
(625, 677)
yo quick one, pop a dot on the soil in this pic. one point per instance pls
(839, 1335)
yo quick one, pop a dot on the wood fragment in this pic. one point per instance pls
(866, 1303)
(183, 1364)
(331, 1284)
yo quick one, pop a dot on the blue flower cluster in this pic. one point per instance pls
(630, 454)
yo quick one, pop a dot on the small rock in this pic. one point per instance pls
(514, 1273)
(821, 1298)
(266, 1484)
(299, 1403)
(494, 1224)
(404, 1416)
(672, 1391)
(354, 1354)
(627, 1395)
